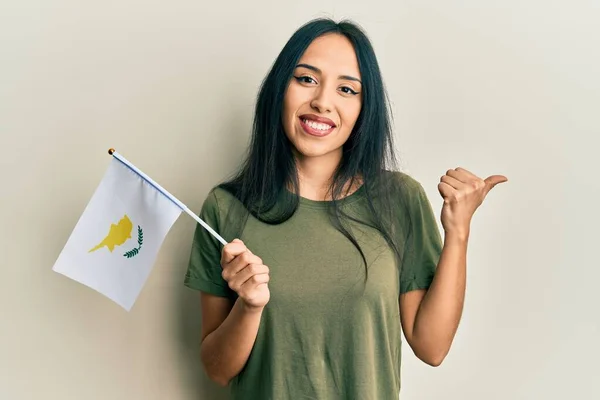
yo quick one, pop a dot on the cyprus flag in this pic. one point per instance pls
(115, 242)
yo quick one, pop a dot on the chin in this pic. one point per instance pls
(308, 150)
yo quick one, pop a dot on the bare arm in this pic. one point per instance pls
(229, 328)
(228, 334)
(430, 318)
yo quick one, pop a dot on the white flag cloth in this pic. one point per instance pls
(114, 245)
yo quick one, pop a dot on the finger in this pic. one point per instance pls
(236, 240)
(255, 280)
(458, 175)
(232, 250)
(455, 183)
(492, 181)
(446, 191)
(244, 259)
(466, 173)
(239, 263)
(249, 271)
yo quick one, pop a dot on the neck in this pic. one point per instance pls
(315, 175)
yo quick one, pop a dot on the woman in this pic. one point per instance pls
(339, 253)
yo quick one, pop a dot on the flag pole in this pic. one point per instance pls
(183, 207)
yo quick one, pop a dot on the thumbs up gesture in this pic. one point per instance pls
(463, 192)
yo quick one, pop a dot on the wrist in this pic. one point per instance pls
(250, 309)
(457, 236)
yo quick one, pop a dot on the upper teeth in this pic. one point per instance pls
(317, 125)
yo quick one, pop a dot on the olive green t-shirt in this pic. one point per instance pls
(325, 333)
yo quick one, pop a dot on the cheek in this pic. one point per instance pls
(350, 115)
(291, 102)
(286, 110)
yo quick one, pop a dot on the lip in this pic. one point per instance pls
(316, 132)
(316, 118)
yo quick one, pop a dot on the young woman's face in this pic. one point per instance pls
(323, 99)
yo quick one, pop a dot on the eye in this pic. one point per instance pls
(348, 90)
(305, 79)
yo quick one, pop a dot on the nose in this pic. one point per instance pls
(321, 101)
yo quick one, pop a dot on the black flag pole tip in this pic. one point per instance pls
(111, 151)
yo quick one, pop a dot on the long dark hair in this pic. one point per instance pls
(262, 183)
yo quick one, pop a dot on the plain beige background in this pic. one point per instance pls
(508, 87)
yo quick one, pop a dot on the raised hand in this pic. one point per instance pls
(463, 192)
(245, 274)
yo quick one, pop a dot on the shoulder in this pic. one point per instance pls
(402, 184)
(407, 194)
(402, 178)
(224, 212)
(218, 199)
(215, 204)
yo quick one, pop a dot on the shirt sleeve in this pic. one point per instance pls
(423, 245)
(204, 266)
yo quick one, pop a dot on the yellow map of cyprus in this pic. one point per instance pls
(117, 235)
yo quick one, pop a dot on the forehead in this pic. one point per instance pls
(332, 53)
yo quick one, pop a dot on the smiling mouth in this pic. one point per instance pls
(314, 128)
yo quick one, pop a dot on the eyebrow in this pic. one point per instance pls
(313, 68)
